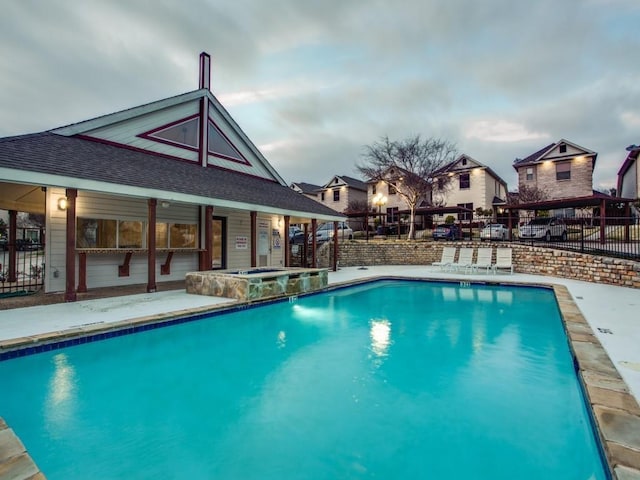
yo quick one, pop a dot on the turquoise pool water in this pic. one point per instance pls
(392, 380)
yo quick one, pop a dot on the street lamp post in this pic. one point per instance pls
(379, 199)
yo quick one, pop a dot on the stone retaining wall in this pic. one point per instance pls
(537, 260)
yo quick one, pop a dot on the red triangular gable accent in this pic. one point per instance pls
(182, 133)
(220, 146)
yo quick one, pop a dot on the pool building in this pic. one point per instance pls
(150, 193)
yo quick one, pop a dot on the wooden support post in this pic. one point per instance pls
(82, 272)
(12, 274)
(314, 259)
(287, 249)
(151, 245)
(335, 247)
(70, 264)
(208, 237)
(254, 239)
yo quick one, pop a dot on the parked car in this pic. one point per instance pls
(494, 231)
(293, 231)
(297, 238)
(544, 228)
(447, 232)
(325, 232)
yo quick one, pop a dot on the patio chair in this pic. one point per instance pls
(504, 260)
(465, 258)
(448, 255)
(483, 260)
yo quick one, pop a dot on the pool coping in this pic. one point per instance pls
(615, 413)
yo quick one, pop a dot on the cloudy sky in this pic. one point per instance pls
(312, 82)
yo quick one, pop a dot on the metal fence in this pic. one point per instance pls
(25, 272)
(608, 236)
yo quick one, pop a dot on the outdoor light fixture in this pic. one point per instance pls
(165, 204)
(62, 203)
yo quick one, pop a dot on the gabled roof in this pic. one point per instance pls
(49, 159)
(96, 127)
(631, 158)
(546, 153)
(345, 180)
(457, 166)
(306, 188)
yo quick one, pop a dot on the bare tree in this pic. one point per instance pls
(528, 194)
(411, 166)
(358, 206)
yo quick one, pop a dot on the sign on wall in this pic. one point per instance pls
(242, 243)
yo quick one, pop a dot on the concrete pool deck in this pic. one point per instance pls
(610, 312)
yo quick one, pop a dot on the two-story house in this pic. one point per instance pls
(629, 174)
(342, 193)
(309, 190)
(560, 170)
(470, 184)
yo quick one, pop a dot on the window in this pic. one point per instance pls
(465, 215)
(373, 189)
(336, 195)
(562, 148)
(464, 161)
(563, 171)
(392, 189)
(392, 215)
(529, 174)
(465, 181)
(183, 235)
(162, 235)
(100, 233)
(322, 196)
(440, 183)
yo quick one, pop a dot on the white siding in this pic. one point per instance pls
(630, 182)
(55, 248)
(125, 133)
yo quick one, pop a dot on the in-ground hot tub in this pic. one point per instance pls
(256, 283)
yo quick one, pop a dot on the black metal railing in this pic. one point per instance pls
(25, 273)
(617, 237)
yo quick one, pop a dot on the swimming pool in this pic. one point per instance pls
(387, 379)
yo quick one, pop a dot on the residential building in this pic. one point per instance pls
(309, 190)
(470, 184)
(383, 197)
(342, 191)
(561, 170)
(629, 174)
(150, 193)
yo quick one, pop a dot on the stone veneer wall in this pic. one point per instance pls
(537, 260)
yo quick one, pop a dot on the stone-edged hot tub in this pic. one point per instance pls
(256, 283)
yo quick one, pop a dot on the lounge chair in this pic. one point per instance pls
(483, 260)
(448, 255)
(465, 258)
(504, 260)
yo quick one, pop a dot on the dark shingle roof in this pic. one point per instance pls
(533, 157)
(84, 159)
(354, 182)
(308, 188)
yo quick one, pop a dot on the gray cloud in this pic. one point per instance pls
(322, 79)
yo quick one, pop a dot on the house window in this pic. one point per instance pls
(336, 195)
(563, 171)
(183, 235)
(392, 215)
(373, 189)
(392, 189)
(465, 215)
(562, 148)
(465, 181)
(440, 183)
(322, 196)
(529, 174)
(464, 162)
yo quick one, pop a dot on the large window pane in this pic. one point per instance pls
(183, 235)
(162, 235)
(129, 234)
(94, 233)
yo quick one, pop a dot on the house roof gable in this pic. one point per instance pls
(343, 180)
(552, 153)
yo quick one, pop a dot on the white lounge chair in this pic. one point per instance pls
(504, 260)
(483, 260)
(448, 255)
(465, 258)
